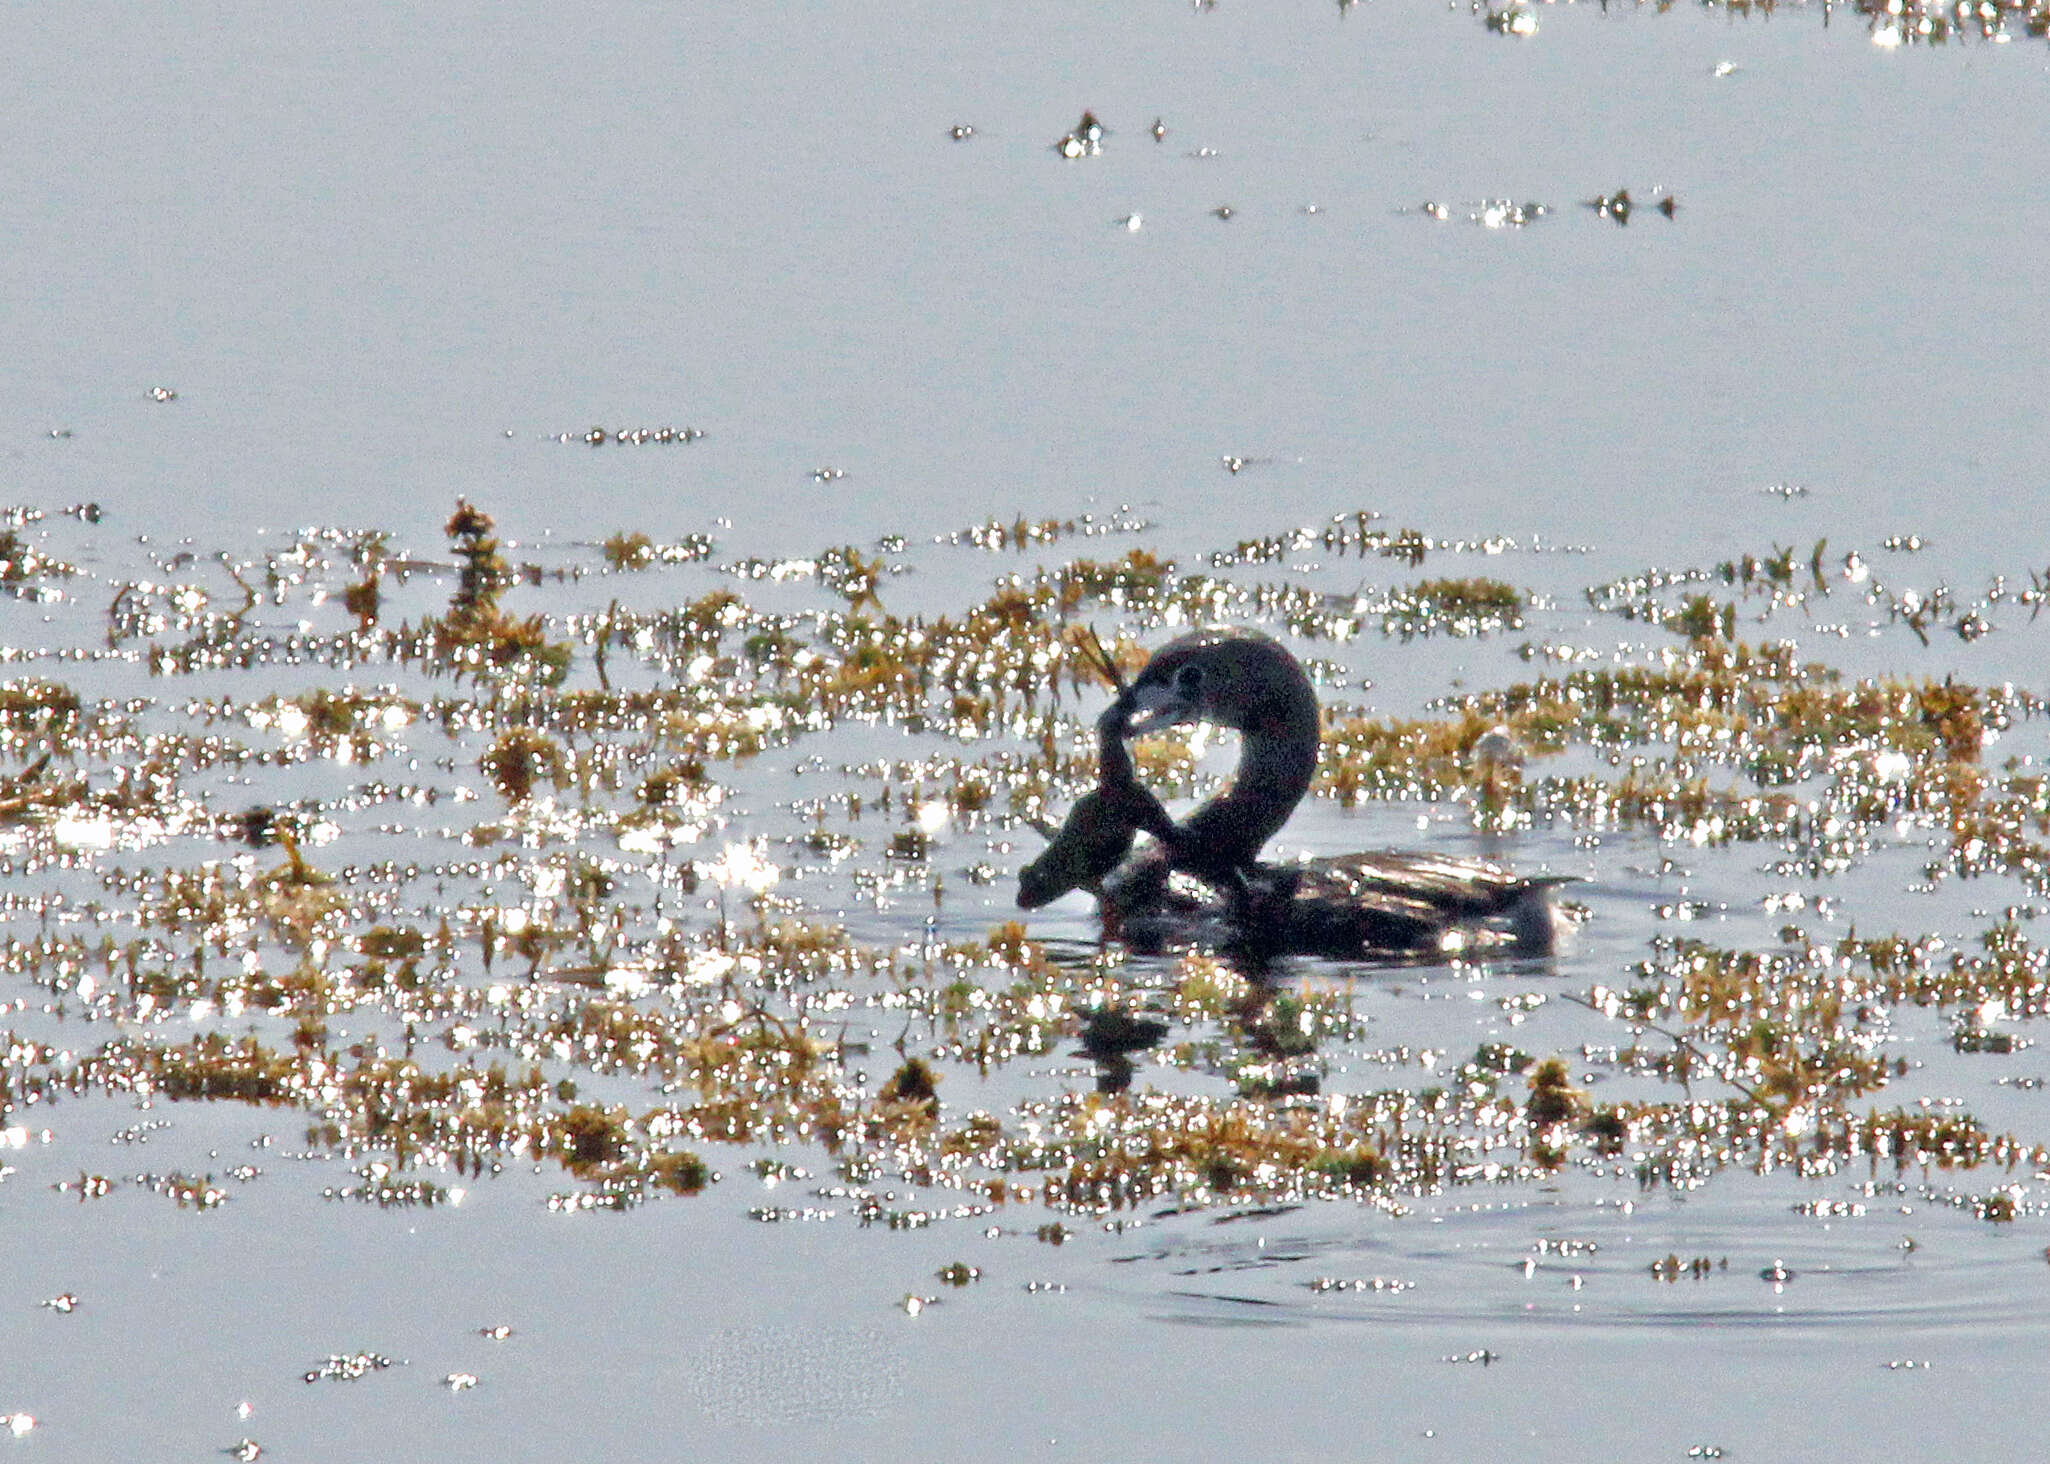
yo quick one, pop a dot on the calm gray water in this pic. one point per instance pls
(385, 259)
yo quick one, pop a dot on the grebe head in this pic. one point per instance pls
(1250, 683)
(1231, 678)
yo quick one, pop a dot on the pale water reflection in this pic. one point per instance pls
(812, 304)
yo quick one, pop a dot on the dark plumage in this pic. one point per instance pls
(1387, 906)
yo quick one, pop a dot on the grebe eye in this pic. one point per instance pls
(1189, 681)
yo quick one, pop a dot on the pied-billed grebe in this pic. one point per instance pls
(1391, 906)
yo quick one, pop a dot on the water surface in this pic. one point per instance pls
(273, 274)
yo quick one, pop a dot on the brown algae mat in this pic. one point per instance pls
(470, 857)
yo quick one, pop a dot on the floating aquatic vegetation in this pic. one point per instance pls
(1453, 607)
(347, 1367)
(1888, 23)
(1514, 20)
(1021, 533)
(1790, 580)
(1617, 207)
(522, 757)
(633, 436)
(565, 911)
(475, 635)
(1919, 22)
(23, 565)
(29, 793)
(381, 1188)
(1353, 534)
(1085, 140)
(190, 1192)
(629, 551)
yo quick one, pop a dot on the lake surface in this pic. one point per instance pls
(1367, 316)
